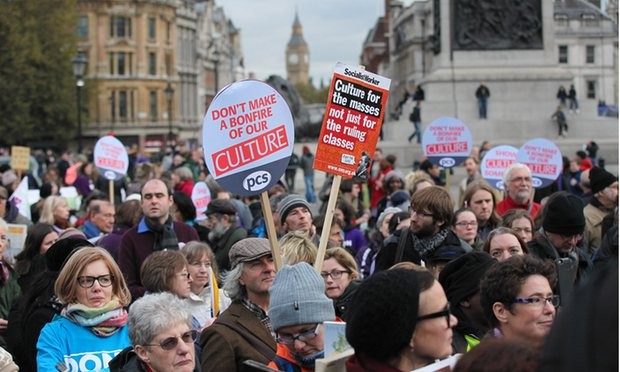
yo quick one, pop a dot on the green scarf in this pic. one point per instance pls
(103, 321)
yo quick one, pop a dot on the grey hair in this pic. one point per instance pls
(233, 289)
(4, 224)
(155, 313)
(512, 167)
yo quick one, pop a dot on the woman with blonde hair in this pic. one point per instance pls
(92, 326)
(297, 247)
(206, 300)
(341, 278)
(56, 213)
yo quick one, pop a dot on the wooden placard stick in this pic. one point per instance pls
(111, 191)
(329, 216)
(271, 230)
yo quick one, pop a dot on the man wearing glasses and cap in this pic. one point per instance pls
(243, 332)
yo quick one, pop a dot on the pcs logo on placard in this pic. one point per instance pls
(256, 181)
(447, 162)
(536, 182)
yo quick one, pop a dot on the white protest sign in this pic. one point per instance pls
(248, 135)
(495, 162)
(111, 158)
(544, 160)
(201, 196)
(447, 142)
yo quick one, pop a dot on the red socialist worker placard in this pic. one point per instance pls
(447, 142)
(495, 162)
(544, 160)
(111, 158)
(247, 137)
(352, 122)
(201, 196)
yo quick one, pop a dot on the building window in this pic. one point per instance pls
(152, 30)
(561, 20)
(82, 27)
(120, 26)
(591, 89)
(120, 63)
(152, 63)
(153, 104)
(563, 54)
(589, 20)
(168, 64)
(589, 53)
(113, 105)
(122, 105)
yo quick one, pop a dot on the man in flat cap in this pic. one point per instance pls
(225, 231)
(243, 331)
(601, 208)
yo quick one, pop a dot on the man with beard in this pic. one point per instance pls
(243, 332)
(431, 212)
(155, 232)
(225, 232)
(518, 185)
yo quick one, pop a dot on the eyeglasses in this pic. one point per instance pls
(443, 313)
(172, 342)
(566, 238)
(335, 274)
(466, 224)
(206, 264)
(89, 281)
(184, 275)
(419, 213)
(537, 301)
(303, 337)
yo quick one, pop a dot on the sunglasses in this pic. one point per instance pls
(443, 313)
(172, 342)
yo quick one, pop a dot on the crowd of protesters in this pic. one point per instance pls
(136, 282)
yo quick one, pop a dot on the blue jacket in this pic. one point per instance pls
(78, 347)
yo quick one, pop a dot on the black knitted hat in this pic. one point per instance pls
(600, 179)
(383, 313)
(564, 214)
(62, 249)
(461, 278)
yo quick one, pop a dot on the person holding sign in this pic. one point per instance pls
(297, 308)
(518, 185)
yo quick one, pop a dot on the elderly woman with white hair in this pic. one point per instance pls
(162, 339)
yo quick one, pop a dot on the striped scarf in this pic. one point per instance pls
(103, 321)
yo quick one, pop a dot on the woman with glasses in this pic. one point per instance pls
(517, 298)
(422, 334)
(160, 329)
(206, 300)
(465, 226)
(166, 271)
(504, 243)
(92, 326)
(341, 279)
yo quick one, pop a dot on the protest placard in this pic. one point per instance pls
(352, 122)
(544, 160)
(495, 162)
(447, 142)
(20, 157)
(201, 197)
(248, 135)
(111, 160)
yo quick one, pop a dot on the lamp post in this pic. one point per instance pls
(169, 91)
(216, 73)
(79, 65)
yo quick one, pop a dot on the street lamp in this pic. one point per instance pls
(216, 62)
(169, 91)
(79, 65)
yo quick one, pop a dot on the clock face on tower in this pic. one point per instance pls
(293, 58)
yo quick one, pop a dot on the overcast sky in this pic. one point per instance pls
(333, 29)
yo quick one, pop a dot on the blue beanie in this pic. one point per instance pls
(297, 296)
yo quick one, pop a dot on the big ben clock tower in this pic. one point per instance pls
(297, 56)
